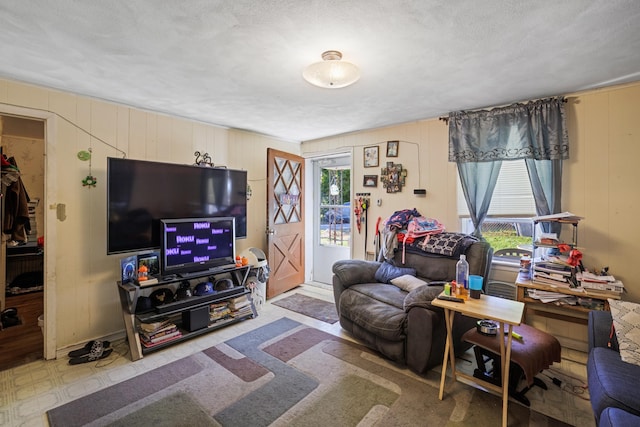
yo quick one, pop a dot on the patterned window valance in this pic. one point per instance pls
(534, 130)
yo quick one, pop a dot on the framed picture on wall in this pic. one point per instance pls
(393, 177)
(371, 157)
(392, 148)
(370, 181)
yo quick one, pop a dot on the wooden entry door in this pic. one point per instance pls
(285, 221)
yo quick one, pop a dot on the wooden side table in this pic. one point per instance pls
(500, 310)
(568, 313)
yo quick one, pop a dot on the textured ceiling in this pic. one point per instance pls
(238, 63)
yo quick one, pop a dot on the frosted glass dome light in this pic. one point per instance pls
(332, 72)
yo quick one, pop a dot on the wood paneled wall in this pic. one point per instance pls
(599, 181)
(81, 283)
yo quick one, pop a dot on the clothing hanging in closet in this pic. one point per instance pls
(16, 206)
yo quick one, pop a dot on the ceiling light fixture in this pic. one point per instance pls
(331, 73)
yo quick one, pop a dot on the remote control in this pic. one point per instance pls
(448, 298)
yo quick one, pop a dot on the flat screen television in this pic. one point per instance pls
(140, 193)
(197, 244)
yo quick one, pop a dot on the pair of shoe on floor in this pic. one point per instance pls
(93, 350)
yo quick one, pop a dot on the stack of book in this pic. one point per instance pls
(547, 239)
(156, 333)
(556, 298)
(595, 283)
(553, 272)
(240, 306)
(219, 311)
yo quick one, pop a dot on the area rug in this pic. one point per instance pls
(309, 306)
(288, 374)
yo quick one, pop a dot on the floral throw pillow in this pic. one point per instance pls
(626, 320)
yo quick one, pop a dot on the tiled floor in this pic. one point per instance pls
(28, 391)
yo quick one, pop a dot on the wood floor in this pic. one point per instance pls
(23, 343)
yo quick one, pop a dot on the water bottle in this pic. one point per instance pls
(462, 277)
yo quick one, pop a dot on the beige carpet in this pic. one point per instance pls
(288, 374)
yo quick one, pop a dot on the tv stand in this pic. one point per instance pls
(193, 316)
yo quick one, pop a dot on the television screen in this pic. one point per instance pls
(140, 193)
(197, 244)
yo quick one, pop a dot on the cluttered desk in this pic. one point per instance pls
(574, 302)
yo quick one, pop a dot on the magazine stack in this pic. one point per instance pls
(219, 311)
(240, 306)
(554, 272)
(152, 334)
(594, 283)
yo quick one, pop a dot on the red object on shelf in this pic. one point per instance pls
(575, 256)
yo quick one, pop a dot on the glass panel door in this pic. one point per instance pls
(335, 206)
(333, 215)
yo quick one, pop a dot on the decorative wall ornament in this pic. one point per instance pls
(90, 180)
(393, 177)
(84, 155)
(203, 159)
(289, 199)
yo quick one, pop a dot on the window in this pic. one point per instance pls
(508, 224)
(335, 206)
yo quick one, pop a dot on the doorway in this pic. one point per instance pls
(22, 274)
(285, 221)
(332, 214)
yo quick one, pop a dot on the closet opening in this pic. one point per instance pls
(22, 270)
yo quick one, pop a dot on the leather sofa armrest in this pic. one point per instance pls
(427, 335)
(353, 271)
(599, 329)
(422, 327)
(422, 297)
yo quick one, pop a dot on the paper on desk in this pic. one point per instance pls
(590, 277)
(558, 216)
(551, 276)
(549, 296)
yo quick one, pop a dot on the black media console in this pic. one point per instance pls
(193, 316)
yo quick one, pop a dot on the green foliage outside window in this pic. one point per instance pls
(342, 178)
(503, 241)
(504, 235)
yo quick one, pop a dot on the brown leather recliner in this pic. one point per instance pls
(404, 326)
